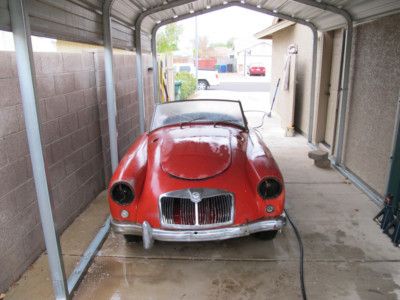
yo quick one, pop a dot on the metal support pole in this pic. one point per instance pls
(110, 85)
(345, 70)
(25, 65)
(156, 9)
(196, 49)
(393, 182)
(139, 58)
(344, 90)
(313, 84)
(244, 62)
(156, 83)
(139, 76)
(87, 257)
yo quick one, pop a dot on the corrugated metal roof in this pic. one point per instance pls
(80, 20)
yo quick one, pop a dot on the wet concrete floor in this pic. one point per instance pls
(346, 255)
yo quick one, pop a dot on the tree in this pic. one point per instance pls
(167, 40)
(230, 43)
(203, 46)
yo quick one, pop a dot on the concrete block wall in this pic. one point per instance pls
(127, 104)
(19, 229)
(148, 88)
(70, 130)
(72, 151)
(74, 129)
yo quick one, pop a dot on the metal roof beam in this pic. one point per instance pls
(261, 10)
(328, 7)
(230, 4)
(110, 84)
(346, 60)
(159, 8)
(26, 74)
(139, 60)
(84, 263)
(345, 76)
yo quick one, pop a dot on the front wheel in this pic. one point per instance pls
(130, 238)
(265, 235)
(202, 85)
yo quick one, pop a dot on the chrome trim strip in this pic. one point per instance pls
(150, 234)
(187, 194)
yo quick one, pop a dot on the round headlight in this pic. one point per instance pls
(269, 188)
(122, 193)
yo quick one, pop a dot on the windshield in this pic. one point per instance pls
(198, 111)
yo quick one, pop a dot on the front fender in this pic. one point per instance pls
(131, 169)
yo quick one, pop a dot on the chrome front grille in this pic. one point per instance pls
(215, 210)
(196, 208)
(178, 211)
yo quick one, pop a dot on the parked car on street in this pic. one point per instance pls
(199, 174)
(256, 70)
(207, 78)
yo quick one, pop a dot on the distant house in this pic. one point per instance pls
(253, 52)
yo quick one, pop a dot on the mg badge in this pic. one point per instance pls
(195, 197)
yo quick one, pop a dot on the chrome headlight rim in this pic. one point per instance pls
(127, 185)
(273, 196)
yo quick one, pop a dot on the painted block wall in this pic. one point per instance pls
(74, 129)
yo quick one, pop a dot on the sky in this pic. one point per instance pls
(220, 26)
(39, 44)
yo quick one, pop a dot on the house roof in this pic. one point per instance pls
(268, 32)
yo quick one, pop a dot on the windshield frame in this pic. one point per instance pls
(245, 127)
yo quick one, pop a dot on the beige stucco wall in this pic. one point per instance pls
(374, 92)
(302, 36)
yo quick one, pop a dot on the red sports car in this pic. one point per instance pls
(257, 70)
(200, 174)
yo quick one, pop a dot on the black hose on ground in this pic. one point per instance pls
(296, 231)
(301, 258)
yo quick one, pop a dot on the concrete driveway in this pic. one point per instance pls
(346, 255)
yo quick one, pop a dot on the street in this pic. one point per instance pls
(253, 93)
(238, 83)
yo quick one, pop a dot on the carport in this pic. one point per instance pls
(133, 25)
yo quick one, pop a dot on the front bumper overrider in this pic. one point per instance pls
(150, 234)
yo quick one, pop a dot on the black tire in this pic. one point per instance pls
(202, 85)
(265, 235)
(130, 238)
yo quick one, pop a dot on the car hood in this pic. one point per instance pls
(195, 153)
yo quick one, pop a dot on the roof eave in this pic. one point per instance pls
(268, 32)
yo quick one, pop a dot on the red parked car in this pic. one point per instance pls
(256, 70)
(200, 174)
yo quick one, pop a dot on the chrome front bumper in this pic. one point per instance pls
(150, 234)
